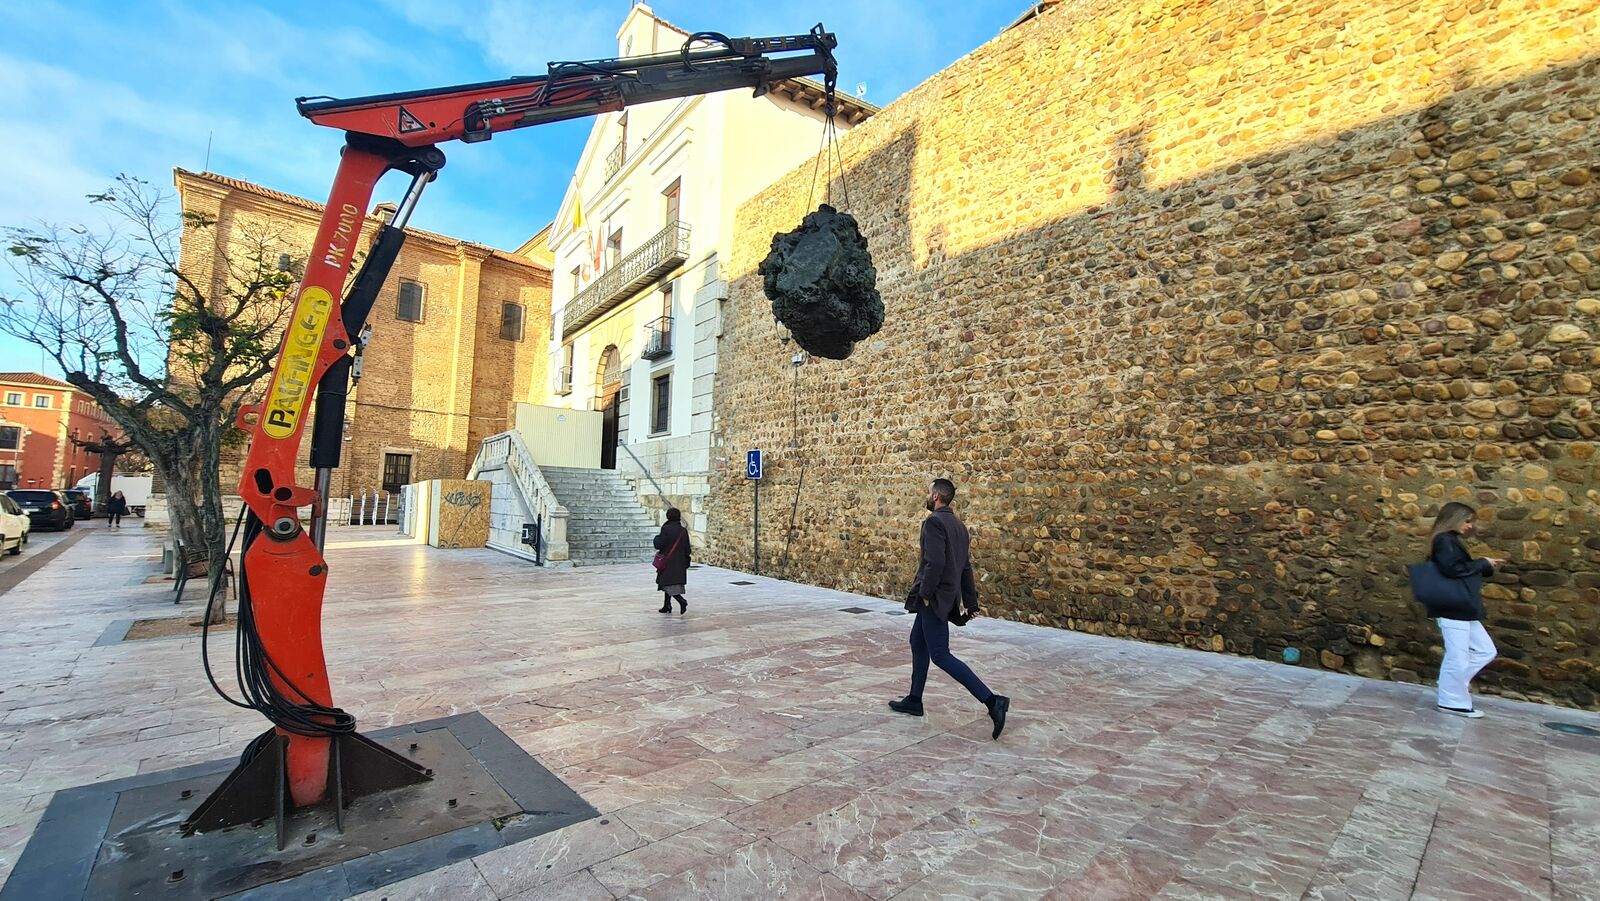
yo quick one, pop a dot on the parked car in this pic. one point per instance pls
(82, 503)
(14, 526)
(47, 509)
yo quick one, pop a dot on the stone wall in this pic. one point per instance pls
(1207, 307)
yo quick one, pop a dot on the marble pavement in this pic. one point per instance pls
(744, 750)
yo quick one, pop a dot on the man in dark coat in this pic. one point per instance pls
(944, 576)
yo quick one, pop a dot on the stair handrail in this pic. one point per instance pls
(508, 451)
(660, 492)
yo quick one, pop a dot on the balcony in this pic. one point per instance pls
(564, 381)
(665, 251)
(658, 339)
(615, 159)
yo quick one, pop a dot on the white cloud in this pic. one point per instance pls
(520, 34)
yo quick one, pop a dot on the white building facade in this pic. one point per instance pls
(638, 298)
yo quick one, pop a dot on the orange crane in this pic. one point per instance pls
(280, 664)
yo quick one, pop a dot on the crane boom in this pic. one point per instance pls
(283, 573)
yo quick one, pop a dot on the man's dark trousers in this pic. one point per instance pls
(930, 640)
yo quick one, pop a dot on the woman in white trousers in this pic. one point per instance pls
(1467, 645)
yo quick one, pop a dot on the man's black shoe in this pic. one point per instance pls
(998, 705)
(907, 704)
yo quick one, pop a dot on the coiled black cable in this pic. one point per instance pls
(254, 667)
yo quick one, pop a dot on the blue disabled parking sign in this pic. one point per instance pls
(752, 464)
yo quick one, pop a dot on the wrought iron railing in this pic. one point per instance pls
(665, 251)
(615, 159)
(658, 339)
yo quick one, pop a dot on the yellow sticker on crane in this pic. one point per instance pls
(292, 384)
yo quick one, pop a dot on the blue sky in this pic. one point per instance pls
(92, 88)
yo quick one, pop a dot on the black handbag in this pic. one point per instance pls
(1442, 596)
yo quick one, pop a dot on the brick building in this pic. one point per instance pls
(39, 416)
(459, 333)
(1207, 308)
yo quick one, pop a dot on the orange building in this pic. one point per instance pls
(39, 416)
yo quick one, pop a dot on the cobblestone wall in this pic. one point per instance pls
(1207, 308)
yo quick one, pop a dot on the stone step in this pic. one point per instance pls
(578, 548)
(620, 505)
(606, 523)
(570, 499)
(614, 521)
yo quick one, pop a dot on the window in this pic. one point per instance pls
(410, 306)
(564, 374)
(673, 194)
(577, 279)
(396, 472)
(14, 398)
(511, 321)
(658, 332)
(614, 249)
(10, 437)
(285, 263)
(660, 403)
(41, 401)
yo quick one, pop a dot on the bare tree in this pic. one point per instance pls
(170, 358)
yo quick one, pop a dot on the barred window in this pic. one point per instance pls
(410, 305)
(660, 403)
(511, 322)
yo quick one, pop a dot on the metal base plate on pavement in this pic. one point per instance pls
(124, 839)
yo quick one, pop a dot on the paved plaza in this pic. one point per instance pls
(744, 750)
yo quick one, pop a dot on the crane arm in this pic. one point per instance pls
(572, 90)
(283, 573)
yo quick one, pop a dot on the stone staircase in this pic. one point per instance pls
(606, 523)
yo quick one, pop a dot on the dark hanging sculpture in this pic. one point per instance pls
(822, 284)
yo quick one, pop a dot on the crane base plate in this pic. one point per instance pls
(125, 839)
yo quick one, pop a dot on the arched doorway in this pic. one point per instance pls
(608, 388)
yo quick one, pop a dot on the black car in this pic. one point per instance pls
(82, 503)
(46, 509)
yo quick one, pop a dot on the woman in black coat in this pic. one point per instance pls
(116, 508)
(1467, 646)
(672, 567)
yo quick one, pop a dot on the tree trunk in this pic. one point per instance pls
(186, 507)
(212, 520)
(102, 491)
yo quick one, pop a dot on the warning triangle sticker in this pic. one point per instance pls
(410, 123)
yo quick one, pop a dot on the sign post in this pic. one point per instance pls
(752, 472)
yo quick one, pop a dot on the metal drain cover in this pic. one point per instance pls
(854, 610)
(742, 583)
(1572, 729)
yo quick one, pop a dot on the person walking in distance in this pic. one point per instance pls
(116, 508)
(1467, 646)
(944, 578)
(672, 562)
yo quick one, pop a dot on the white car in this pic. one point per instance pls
(14, 526)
